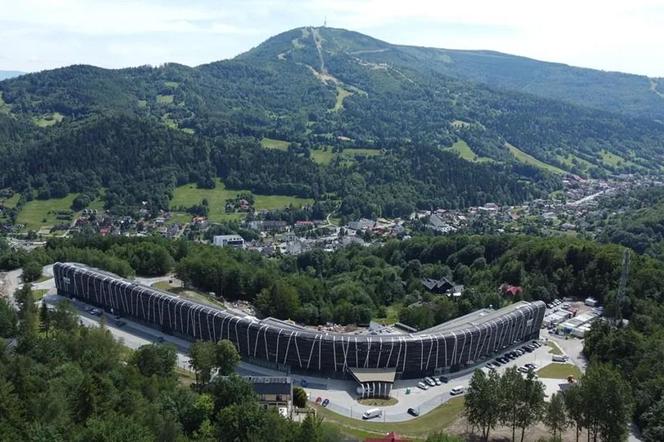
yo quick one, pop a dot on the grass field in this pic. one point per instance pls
(165, 99)
(323, 157)
(10, 203)
(341, 96)
(553, 348)
(466, 153)
(532, 161)
(48, 119)
(271, 143)
(190, 294)
(378, 402)
(559, 371)
(418, 429)
(35, 213)
(189, 194)
(569, 160)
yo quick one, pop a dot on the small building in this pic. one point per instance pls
(274, 392)
(373, 382)
(228, 241)
(442, 285)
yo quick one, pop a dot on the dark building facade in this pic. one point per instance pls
(448, 347)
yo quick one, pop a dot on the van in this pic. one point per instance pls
(457, 390)
(559, 358)
(372, 413)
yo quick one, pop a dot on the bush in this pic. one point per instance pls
(299, 397)
(32, 270)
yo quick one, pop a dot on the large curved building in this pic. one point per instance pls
(447, 347)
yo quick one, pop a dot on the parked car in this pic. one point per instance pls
(422, 385)
(430, 381)
(319, 400)
(444, 379)
(437, 381)
(120, 323)
(459, 389)
(531, 366)
(497, 363)
(372, 413)
(559, 358)
(325, 402)
(413, 412)
(523, 369)
(96, 312)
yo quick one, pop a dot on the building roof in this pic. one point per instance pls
(363, 375)
(271, 384)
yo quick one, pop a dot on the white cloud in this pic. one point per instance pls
(612, 35)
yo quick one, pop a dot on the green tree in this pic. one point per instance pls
(155, 359)
(607, 401)
(44, 318)
(226, 357)
(511, 388)
(531, 403)
(299, 397)
(555, 417)
(8, 319)
(482, 401)
(574, 408)
(28, 325)
(32, 270)
(203, 359)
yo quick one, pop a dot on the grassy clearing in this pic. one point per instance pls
(38, 213)
(419, 428)
(142, 103)
(4, 107)
(571, 160)
(10, 203)
(532, 161)
(323, 157)
(391, 314)
(271, 143)
(466, 153)
(377, 402)
(190, 294)
(171, 84)
(341, 96)
(353, 152)
(553, 348)
(48, 119)
(189, 194)
(559, 371)
(165, 99)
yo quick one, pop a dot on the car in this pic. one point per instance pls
(437, 382)
(120, 323)
(326, 402)
(422, 385)
(497, 363)
(444, 379)
(319, 400)
(523, 369)
(372, 413)
(459, 389)
(117, 317)
(530, 366)
(96, 312)
(88, 308)
(430, 381)
(549, 306)
(160, 339)
(527, 348)
(413, 412)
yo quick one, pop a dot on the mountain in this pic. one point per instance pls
(430, 136)
(9, 74)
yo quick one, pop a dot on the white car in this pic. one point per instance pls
(430, 381)
(422, 385)
(437, 381)
(459, 389)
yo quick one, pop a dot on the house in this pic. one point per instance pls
(274, 392)
(228, 241)
(442, 285)
(511, 290)
(362, 224)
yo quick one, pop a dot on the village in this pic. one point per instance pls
(567, 212)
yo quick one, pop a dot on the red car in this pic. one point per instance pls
(318, 399)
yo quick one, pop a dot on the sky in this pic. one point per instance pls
(625, 36)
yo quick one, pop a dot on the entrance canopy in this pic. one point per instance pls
(364, 375)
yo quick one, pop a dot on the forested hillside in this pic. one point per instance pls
(317, 89)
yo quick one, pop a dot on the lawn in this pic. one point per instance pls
(341, 96)
(190, 294)
(553, 348)
(378, 402)
(48, 119)
(559, 371)
(165, 99)
(323, 157)
(37, 213)
(353, 152)
(532, 161)
(466, 153)
(419, 428)
(271, 143)
(10, 203)
(39, 293)
(189, 194)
